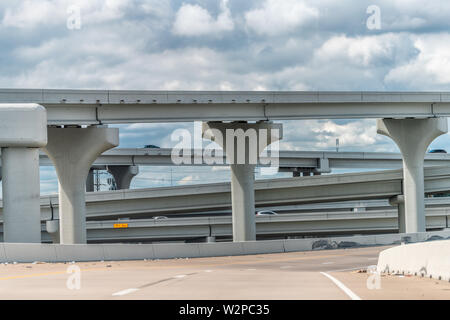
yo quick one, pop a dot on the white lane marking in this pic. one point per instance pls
(328, 263)
(208, 270)
(348, 269)
(124, 292)
(251, 269)
(180, 276)
(341, 286)
(286, 267)
(372, 258)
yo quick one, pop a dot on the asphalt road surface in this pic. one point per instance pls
(331, 274)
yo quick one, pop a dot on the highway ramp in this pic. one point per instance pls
(316, 275)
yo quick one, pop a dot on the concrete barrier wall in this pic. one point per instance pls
(428, 259)
(16, 252)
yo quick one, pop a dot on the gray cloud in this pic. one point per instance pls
(236, 45)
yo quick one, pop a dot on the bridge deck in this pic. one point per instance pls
(107, 106)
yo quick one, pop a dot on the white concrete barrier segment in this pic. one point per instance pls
(221, 249)
(14, 252)
(428, 259)
(128, 252)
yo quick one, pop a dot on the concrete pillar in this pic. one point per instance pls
(399, 202)
(243, 143)
(123, 175)
(72, 151)
(23, 130)
(90, 181)
(243, 201)
(413, 136)
(21, 197)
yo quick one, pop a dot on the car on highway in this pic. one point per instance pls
(266, 213)
(151, 146)
(437, 151)
(160, 218)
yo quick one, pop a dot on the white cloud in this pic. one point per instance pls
(322, 134)
(29, 13)
(358, 50)
(356, 133)
(264, 45)
(431, 67)
(194, 20)
(187, 180)
(276, 17)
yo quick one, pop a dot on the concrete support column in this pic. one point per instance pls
(399, 202)
(72, 151)
(413, 136)
(23, 130)
(243, 201)
(21, 197)
(123, 175)
(90, 181)
(243, 143)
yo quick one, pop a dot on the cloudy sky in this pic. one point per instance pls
(229, 45)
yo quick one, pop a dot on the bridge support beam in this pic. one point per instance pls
(243, 157)
(123, 175)
(413, 136)
(90, 181)
(72, 151)
(23, 130)
(399, 202)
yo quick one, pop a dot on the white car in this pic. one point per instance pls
(266, 213)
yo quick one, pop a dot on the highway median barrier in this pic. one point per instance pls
(29, 252)
(427, 259)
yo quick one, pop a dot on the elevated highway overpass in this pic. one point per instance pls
(412, 119)
(268, 192)
(87, 107)
(287, 159)
(300, 161)
(104, 209)
(276, 227)
(200, 229)
(145, 203)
